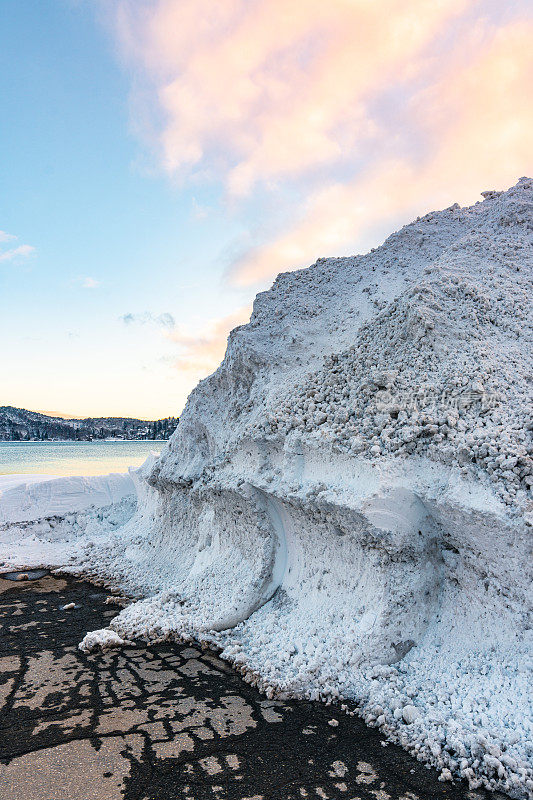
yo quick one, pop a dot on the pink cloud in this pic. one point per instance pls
(199, 355)
(371, 113)
(273, 88)
(476, 121)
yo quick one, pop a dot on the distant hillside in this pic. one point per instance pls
(17, 424)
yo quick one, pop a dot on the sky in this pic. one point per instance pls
(162, 161)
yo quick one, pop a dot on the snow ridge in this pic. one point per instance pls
(345, 507)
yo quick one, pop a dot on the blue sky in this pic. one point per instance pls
(157, 159)
(76, 187)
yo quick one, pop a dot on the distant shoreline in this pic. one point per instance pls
(77, 441)
(21, 425)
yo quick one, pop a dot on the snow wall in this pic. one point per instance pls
(45, 520)
(344, 508)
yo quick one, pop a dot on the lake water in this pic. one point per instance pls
(74, 458)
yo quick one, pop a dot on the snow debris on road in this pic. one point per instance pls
(103, 639)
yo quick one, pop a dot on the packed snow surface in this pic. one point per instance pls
(44, 520)
(345, 507)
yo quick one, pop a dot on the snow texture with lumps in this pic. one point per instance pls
(345, 507)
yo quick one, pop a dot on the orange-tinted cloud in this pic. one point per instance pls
(370, 112)
(200, 354)
(272, 88)
(477, 124)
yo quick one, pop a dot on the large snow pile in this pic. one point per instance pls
(344, 509)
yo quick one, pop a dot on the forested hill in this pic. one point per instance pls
(17, 424)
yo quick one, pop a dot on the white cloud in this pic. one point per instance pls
(199, 211)
(323, 121)
(475, 122)
(89, 283)
(21, 251)
(266, 90)
(164, 320)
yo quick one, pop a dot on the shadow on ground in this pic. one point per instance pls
(167, 722)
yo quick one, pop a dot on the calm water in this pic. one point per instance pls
(74, 458)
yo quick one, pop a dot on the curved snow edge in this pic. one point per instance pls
(370, 577)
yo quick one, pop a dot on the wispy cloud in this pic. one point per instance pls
(477, 132)
(198, 210)
(199, 354)
(21, 251)
(272, 88)
(354, 116)
(90, 283)
(164, 320)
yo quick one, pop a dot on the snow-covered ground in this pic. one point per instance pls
(45, 520)
(345, 507)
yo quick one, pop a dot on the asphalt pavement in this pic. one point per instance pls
(168, 721)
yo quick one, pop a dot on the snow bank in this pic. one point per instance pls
(44, 520)
(10, 481)
(345, 508)
(23, 500)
